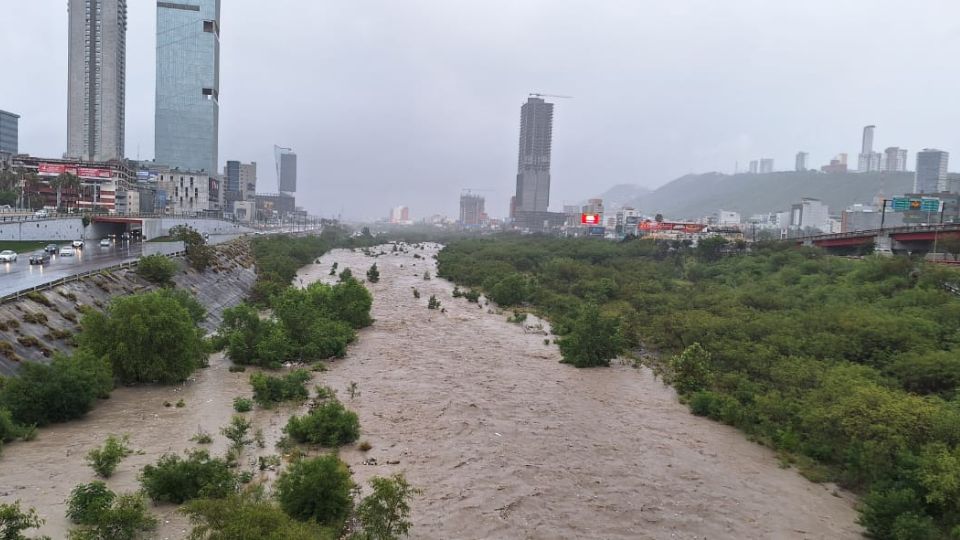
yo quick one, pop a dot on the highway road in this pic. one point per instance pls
(21, 274)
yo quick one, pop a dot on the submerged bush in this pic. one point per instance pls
(329, 424)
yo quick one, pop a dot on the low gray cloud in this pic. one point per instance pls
(407, 102)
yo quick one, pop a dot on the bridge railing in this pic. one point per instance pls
(946, 227)
(77, 277)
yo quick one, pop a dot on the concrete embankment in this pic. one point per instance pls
(35, 327)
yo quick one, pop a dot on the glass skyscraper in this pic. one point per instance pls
(188, 84)
(9, 133)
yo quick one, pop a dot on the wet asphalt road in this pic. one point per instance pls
(21, 274)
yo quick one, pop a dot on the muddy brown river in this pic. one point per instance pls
(504, 441)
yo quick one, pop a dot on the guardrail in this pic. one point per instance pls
(77, 277)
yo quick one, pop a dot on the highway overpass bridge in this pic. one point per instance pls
(908, 240)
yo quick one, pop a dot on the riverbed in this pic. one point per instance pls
(503, 441)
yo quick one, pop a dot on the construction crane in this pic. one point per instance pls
(469, 191)
(535, 94)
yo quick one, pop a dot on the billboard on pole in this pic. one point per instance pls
(590, 219)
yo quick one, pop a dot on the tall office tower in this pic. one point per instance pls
(471, 210)
(533, 166)
(96, 79)
(9, 134)
(802, 160)
(931, 175)
(248, 180)
(766, 165)
(188, 84)
(895, 159)
(286, 170)
(869, 160)
(754, 166)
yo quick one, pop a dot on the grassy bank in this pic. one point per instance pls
(28, 246)
(849, 368)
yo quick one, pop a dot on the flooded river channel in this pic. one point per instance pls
(504, 441)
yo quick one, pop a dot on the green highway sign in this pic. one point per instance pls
(906, 204)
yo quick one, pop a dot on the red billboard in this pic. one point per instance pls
(590, 219)
(56, 169)
(671, 226)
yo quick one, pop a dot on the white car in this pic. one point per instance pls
(40, 213)
(78, 244)
(105, 242)
(8, 256)
(67, 251)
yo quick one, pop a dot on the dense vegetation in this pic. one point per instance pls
(317, 489)
(313, 323)
(150, 337)
(328, 424)
(156, 268)
(849, 367)
(176, 479)
(269, 390)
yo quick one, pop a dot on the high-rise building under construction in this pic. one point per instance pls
(533, 167)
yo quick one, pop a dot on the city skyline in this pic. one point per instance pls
(720, 111)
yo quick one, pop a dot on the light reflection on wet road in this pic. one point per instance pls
(21, 274)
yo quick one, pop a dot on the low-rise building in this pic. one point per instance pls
(186, 192)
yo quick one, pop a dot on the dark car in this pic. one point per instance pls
(40, 257)
(51, 248)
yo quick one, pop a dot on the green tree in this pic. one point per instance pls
(88, 501)
(512, 290)
(199, 254)
(385, 513)
(125, 519)
(105, 460)
(711, 248)
(156, 268)
(248, 515)
(175, 479)
(269, 390)
(433, 303)
(594, 339)
(373, 275)
(63, 390)
(237, 432)
(691, 369)
(317, 489)
(13, 521)
(352, 302)
(329, 424)
(149, 337)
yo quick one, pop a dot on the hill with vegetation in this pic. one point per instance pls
(696, 195)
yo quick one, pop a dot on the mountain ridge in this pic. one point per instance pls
(696, 195)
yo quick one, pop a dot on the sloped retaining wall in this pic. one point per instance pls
(32, 329)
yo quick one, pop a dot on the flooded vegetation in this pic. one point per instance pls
(476, 412)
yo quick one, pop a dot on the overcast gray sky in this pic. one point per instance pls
(392, 102)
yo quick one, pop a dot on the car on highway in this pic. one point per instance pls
(51, 248)
(40, 257)
(67, 251)
(78, 244)
(40, 213)
(105, 242)
(8, 255)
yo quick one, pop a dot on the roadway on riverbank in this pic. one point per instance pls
(19, 275)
